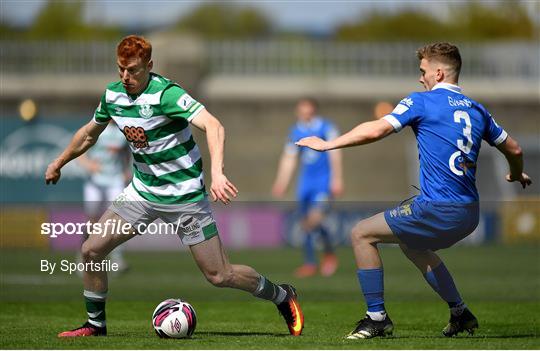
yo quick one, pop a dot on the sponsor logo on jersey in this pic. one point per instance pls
(465, 164)
(118, 110)
(137, 136)
(146, 111)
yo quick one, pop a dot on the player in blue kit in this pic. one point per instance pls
(319, 180)
(449, 128)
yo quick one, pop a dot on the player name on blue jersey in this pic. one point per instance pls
(459, 103)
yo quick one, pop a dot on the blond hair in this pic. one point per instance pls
(443, 52)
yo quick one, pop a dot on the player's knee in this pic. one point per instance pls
(359, 234)
(312, 221)
(220, 279)
(90, 254)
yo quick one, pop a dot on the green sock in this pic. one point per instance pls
(269, 291)
(95, 307)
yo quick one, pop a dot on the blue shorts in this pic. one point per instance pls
(314, 199)
(432, 225)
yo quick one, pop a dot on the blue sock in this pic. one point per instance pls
(372, 284)
(309, 249)
(441, 281)
(325, 236)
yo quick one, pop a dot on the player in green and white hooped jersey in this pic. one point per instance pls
(154, 115)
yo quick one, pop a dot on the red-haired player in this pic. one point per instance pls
(168, 184)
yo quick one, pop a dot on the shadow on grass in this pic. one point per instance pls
(462, 337)
(196, 336)
(517, 336)
(222, 333)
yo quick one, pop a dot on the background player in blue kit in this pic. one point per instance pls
(449, 128)
(319, 180)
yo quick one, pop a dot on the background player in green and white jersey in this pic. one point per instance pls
(154, 113)
(107, 164)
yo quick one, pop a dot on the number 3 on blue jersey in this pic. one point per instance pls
(449, 128)
(467, 133)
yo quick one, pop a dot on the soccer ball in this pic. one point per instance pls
(174, 318)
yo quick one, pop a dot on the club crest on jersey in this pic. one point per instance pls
(405, 210)
(146, 111)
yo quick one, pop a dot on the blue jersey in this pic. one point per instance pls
(315, 170)
(449, 129)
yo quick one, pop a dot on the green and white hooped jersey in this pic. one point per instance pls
(167, 162)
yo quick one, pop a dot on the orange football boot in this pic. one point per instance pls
(306, 270)
(329, 265)
(291, 311)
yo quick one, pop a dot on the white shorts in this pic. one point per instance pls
(192, 222)
(98, 198)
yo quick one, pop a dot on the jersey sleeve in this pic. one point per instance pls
(494, 134)
(177, 103)
(290, 147)
(101, 116)
(407, 112)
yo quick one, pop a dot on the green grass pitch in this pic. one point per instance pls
(500, 284)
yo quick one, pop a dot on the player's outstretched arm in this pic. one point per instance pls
(221, 189)
(287, 165)
(83, 139)
(364, 133)
(514, 155)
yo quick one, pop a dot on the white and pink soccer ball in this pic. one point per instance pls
(174, 318)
